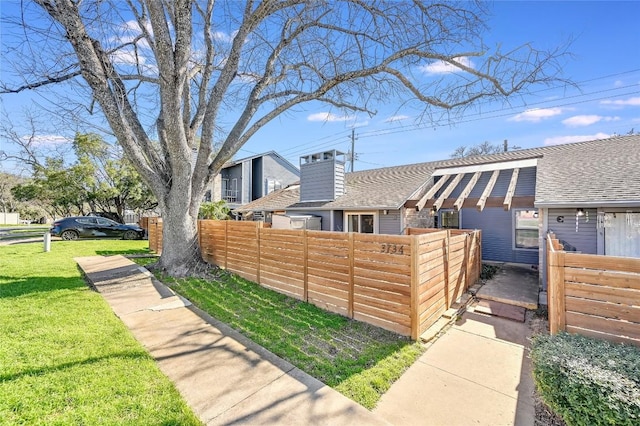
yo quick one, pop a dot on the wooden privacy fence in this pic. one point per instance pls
(401, 283)
(597, 296)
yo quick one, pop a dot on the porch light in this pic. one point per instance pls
(580, 212)
(434, 210)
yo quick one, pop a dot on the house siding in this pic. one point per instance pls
(389, 223)
(585, 238)
(497, 235)
(274, 169)
(321, 181)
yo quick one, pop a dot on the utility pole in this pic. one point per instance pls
(353, 147)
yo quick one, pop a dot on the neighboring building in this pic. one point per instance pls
(248, 179)
(587, 193)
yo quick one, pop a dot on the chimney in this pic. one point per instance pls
(322, 176)
(506, 145)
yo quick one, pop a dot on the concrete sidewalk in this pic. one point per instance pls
(476, 373)
(224, 377)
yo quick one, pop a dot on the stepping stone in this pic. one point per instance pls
(502, 310)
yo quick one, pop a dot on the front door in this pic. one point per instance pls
(622, 234)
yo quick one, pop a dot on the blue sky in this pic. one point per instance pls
(605, 64)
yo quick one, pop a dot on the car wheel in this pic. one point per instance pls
(130, 235)
(69, 235)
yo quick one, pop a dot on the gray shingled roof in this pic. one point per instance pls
(599, 171)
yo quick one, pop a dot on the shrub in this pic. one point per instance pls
(588, 381)
(488, 271)
(215, 210)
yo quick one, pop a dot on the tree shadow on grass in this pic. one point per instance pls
(17, 287)
(140, 354)
(125, 252)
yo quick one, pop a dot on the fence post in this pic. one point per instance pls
(445, 242)
(350, 308)
(258, 235)
(415, 278)
(305, 275)
(557, 312)
(226, 242)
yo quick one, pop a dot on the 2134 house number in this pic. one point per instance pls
(392, 248)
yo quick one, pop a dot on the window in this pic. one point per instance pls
(449, 219)
(363, 223)
(526, 229)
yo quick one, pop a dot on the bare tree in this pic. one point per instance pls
(215, 72)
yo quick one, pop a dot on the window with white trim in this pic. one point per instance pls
(525, 229)
(364, 223)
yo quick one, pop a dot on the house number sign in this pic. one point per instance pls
(392, 248)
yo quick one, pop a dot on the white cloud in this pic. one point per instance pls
(536, 115)
(559, 140)
(224, 37)
(623, 102)
(395, 118)
(586, 120)
(42, 140)
(441, 67)
(329, 117)
(127, 57)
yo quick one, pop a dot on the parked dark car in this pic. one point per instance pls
(72, 228)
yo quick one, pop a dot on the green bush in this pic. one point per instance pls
(214, 210)
(488, 271)
(588, 381)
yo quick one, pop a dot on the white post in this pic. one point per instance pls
(47, 241)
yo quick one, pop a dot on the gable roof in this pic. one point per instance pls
(279, 158)
(601, 171)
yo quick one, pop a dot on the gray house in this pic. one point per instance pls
(587, 193)
(248, 179)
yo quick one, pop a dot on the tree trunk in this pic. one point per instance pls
(180, 249)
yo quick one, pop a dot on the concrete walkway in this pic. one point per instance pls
(477, 373)
(224, 377)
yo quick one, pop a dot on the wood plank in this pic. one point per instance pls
(382, 267)
(593, 261)
(604, 325)
(342, 284)
(603, 336)
(604, 309)
(385, 305)
(338, 294)
(607, 294)
(512, 189)
(392, 287)
(404, 330)
(432, 191)
(467, 190)
(393, 297)
(360, 275)
(487, 190)
(383, 314)
(450, 187)
(327, 299)
(336, 272)
(605, 278)
(556, 288)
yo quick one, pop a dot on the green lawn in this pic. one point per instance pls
(65, 358)
(357, 359)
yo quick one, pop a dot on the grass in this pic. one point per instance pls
(65, 358)
(359, 360)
